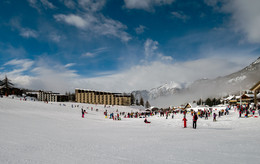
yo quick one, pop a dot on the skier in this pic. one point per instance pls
(147, 122)
(206, 115)
(82, 111)
(185, 121)
(195, 118)
(214, 117)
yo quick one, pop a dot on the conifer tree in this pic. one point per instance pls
(6, 83)
(136, 102)
(147, 104)
(199, 102)
(214, 101)
(6, 86)
(132, 99)
(142, 101)
(209, 102)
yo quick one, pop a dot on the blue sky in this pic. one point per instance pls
(124, 45)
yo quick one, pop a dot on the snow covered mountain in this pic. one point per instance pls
(173, 94)
(164, 90)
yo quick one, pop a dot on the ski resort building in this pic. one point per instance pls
(51, 97)
(100, 97)
(256, 90)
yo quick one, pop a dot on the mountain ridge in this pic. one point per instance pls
(167, 94)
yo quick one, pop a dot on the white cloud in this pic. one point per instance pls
(245, 16)
(55, 37)
(10, 51)
(47, 4)
(140, 29)
(95, 52)
(24, 32)
(28, 33)
(165, 58)
(92, 5)
(33, 3)
(149, 47)
(72, 19)
(152, 54)
(89, 54)
(69, 65)
(49, 75)
(38, 4)
(147, 5)
(20, 66)
(96, 23)
(152, 75)
(110, 27)
(69, 3)
(180, 15)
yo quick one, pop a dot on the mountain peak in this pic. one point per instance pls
(257, 61)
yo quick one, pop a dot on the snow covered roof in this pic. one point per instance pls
(190, 105)
(250, 95)
(229, 97)
(237, 97)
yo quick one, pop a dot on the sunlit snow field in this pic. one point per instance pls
(34, 132)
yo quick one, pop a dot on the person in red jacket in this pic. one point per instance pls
(185, 121)
(195, 118)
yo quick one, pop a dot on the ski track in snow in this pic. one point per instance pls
(40, 133)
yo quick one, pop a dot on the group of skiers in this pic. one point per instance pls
(195, 115)
(246, 109)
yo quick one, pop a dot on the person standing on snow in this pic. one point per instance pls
(206, 115)
(214, 117)
(195, 118)
(82, 112)
(185, 121)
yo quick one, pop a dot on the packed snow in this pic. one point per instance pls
(35, 132)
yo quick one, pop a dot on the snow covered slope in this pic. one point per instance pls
(38, 133)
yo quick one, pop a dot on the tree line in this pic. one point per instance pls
(135, 101)
(210, 102)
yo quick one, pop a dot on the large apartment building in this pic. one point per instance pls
(51, 97)
(99, 97)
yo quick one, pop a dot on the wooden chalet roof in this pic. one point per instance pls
(256, 87)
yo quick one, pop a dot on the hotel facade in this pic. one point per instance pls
(100, 97)
(51, 97)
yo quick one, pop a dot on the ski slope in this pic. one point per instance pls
(34, 132)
